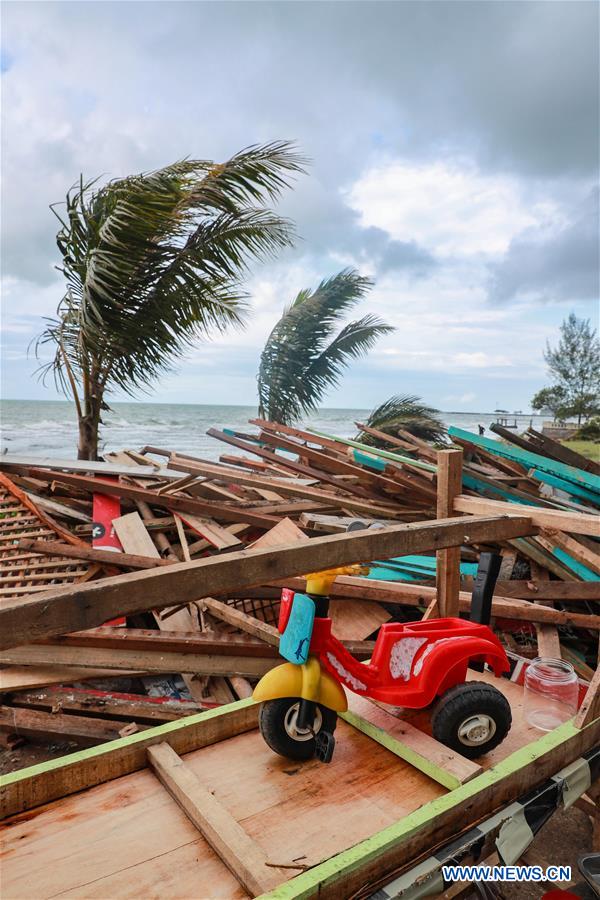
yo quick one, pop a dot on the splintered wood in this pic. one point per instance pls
(207, 546)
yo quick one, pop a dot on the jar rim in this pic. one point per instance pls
(552, 669)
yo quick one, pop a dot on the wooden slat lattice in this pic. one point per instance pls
(23, 572)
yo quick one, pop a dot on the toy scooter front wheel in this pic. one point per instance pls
(278, 723)
(471, 718)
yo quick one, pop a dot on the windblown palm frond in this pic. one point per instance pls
(406, 413)
(303, 358)
(154, 261)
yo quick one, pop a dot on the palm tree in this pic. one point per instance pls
(153, 262)
(303, 357)
(406, 413)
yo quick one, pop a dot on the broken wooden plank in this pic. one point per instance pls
(102, 557)
(133, 534)
(142, 639)
(239, 852)
(47, 726)
(84, 606)
(241, 620)
(421, 595)
(15, 678)
(211, 531)
(557, 591)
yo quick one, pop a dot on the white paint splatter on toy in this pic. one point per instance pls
(402, 655)
(428, 649)
(345, 675)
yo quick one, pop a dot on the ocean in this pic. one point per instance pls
(48, 427)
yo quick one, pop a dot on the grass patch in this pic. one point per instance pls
(589, 449)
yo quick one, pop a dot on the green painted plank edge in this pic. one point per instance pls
(400, 749)
(375, 451)
(306, 884)
(160, 731)
(575, 489)
(528, 459)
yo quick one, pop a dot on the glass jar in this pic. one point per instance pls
(551, 693)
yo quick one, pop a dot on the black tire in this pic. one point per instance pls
(275, 720)
(469, 701)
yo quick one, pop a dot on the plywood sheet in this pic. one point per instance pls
(128, 838)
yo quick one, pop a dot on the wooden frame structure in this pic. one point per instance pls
(227, 817)
(232, 816)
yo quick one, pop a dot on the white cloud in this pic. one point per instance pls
(448, 207)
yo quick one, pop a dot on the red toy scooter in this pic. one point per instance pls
(413, 665)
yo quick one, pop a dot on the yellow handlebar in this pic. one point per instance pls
(320, 582)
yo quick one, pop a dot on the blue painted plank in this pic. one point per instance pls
(483, 488)
(378, 573)
(568, 486)
(370, 461)
(574, 565)
(528, 459)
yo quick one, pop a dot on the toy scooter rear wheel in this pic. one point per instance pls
(277, 721)
(471, 718)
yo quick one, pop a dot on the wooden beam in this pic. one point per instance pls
(234, 846)
(142, 639)
(578, 523)
(138, 660)
(103, 704)
(557, 591)
(422, 595)
(48, 726)
(82, 606)
(449, 486)
(102, 557)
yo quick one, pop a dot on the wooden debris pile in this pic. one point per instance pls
(193, 642)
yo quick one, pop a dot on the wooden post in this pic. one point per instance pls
(449, 486)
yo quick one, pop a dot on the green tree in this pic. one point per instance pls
(304, 356)
(406, 413)
(574, 365)
(553, 399)
(153, 262)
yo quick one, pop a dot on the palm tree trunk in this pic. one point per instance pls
(89, 421)
(88, 438)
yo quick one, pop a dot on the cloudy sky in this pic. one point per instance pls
(454, 153)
